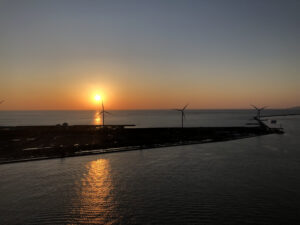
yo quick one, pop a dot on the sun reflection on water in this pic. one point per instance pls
(97, 118)
(94, 202)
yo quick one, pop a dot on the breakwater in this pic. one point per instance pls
(38, 142)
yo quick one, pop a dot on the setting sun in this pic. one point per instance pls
(97, 97)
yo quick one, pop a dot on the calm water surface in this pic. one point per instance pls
(249, 181)
(141, 118)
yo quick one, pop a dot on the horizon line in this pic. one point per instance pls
(148, 109)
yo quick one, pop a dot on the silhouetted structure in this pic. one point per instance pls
(262, 124)
(182, 114)
(258, 110)
(103, 113)
(40, 142)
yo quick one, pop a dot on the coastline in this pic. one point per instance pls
(30, 143)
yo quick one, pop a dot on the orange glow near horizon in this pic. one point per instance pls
(120, 90)
(131, 96)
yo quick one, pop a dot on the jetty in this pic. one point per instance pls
(23, 143)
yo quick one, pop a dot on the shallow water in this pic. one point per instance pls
(248, 181)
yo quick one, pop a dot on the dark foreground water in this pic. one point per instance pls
(249, 181)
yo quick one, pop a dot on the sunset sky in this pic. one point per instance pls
(149, 54)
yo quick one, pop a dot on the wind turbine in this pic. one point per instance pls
(103, 113)
(258, 110)
(182, 113)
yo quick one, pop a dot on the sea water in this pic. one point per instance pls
(248, 181)
(140, 118)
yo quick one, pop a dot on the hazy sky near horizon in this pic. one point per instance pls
(149, 54)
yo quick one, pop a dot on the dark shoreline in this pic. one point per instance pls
(28, 143)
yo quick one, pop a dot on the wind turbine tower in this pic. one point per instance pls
(258, 111)
(182, 114)
(103, 113)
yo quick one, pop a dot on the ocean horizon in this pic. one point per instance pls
(140, 118)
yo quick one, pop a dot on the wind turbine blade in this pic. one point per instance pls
(107, 112)
(263, 107)
(254, 107)
(185, 106)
